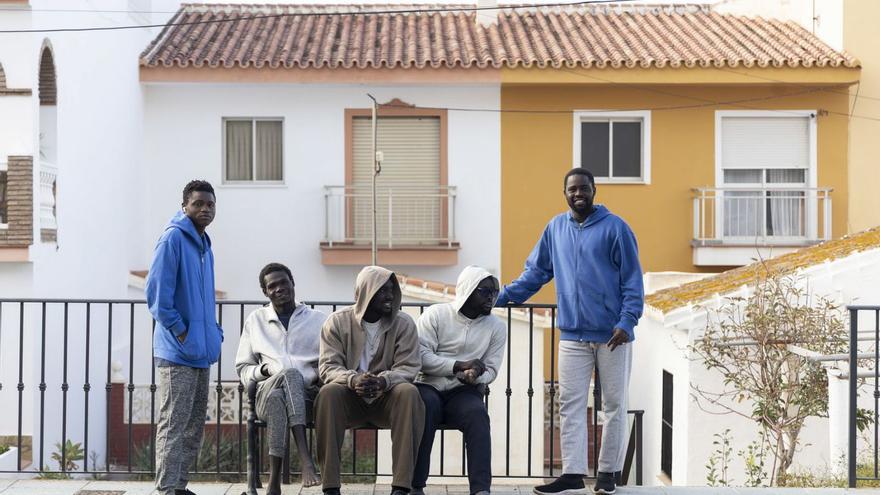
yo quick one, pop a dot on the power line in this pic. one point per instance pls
(706, 103)
(312, 14)
(796, 83)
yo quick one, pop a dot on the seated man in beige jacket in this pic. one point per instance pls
(279, 349)
(369, 358)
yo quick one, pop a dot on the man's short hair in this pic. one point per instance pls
(273, 267)
(579, 171)
(196, 185)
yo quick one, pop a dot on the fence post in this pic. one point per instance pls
(853, 395)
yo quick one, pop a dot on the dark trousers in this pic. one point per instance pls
(463, 409)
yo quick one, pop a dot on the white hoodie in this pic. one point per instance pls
(447, 336)
(264, 340)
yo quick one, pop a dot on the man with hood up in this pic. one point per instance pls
(369, 356)
(462, 347)
(594, 258)
(187, 338)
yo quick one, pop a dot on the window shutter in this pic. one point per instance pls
(410, 170)
(765, 142)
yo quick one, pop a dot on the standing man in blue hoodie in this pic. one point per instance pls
(594, 258)
(187, 338)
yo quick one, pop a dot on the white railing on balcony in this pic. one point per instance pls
(48, 174)
(763, 216)
(410, 216)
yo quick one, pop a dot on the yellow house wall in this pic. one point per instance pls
(860, 39)
(536, 151)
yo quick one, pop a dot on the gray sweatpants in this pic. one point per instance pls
(281, 404)
(576, 363)
(183, 402)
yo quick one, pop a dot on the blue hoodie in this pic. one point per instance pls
(598, 276)
(180, 295)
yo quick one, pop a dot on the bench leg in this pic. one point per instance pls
(253, 460)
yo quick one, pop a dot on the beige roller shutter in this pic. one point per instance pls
(409, 185)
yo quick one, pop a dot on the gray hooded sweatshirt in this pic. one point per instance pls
(447, 336)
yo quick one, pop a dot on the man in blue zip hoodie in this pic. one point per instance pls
(187, 338)
(594, 258)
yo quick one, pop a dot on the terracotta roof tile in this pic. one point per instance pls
(305, 36)
(724, 283)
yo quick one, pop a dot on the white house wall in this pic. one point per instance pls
(258, 224)
(100, 206)
(656, 349)
(849, 280)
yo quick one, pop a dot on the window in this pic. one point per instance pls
(3, 179)
(252, 150)
(411, 204)
(614, 146)
(666, 426)
(765, 174)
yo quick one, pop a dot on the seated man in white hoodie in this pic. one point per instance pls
(279, 349)
(462, 347)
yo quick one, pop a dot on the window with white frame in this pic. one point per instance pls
(767, 160)
(253, 150)
(3, 200)
(614, 146)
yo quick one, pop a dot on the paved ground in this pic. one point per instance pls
(86, 487)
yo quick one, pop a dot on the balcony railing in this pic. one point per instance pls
(411, 216)
(762, 216)
(48, 175)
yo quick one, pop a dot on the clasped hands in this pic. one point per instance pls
(468, 371)
(368, 385)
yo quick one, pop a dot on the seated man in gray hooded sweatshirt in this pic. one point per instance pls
(462, 347)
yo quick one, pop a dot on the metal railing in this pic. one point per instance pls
(864, 364)
(764, 216)
(413, 216)
(58, 355)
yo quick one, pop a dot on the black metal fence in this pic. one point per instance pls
(863, 367)
(57, 354)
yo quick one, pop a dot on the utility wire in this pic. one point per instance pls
(313, 14)
(764, 78)
(705, 103)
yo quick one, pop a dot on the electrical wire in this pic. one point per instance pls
(313, 14)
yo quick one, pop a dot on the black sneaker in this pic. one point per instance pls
(417, 491)
(398, 491)
(331, 491)
(567, 484)
(604, 484)
(183, 492)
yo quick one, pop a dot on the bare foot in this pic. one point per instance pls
(309, 473)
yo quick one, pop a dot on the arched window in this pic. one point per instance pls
(48, 94)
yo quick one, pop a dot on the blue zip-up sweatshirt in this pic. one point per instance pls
(180, 295)
(597, 271)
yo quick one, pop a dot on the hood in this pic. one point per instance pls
(182, 222)
(369, 281)
(468, 280)
(598, 214)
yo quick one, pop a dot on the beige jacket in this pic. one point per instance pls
(397, 357)
(447, 336)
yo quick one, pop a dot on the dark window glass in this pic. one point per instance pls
(627, 149)
(594, 147)
(3, 197)
(666, 426)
